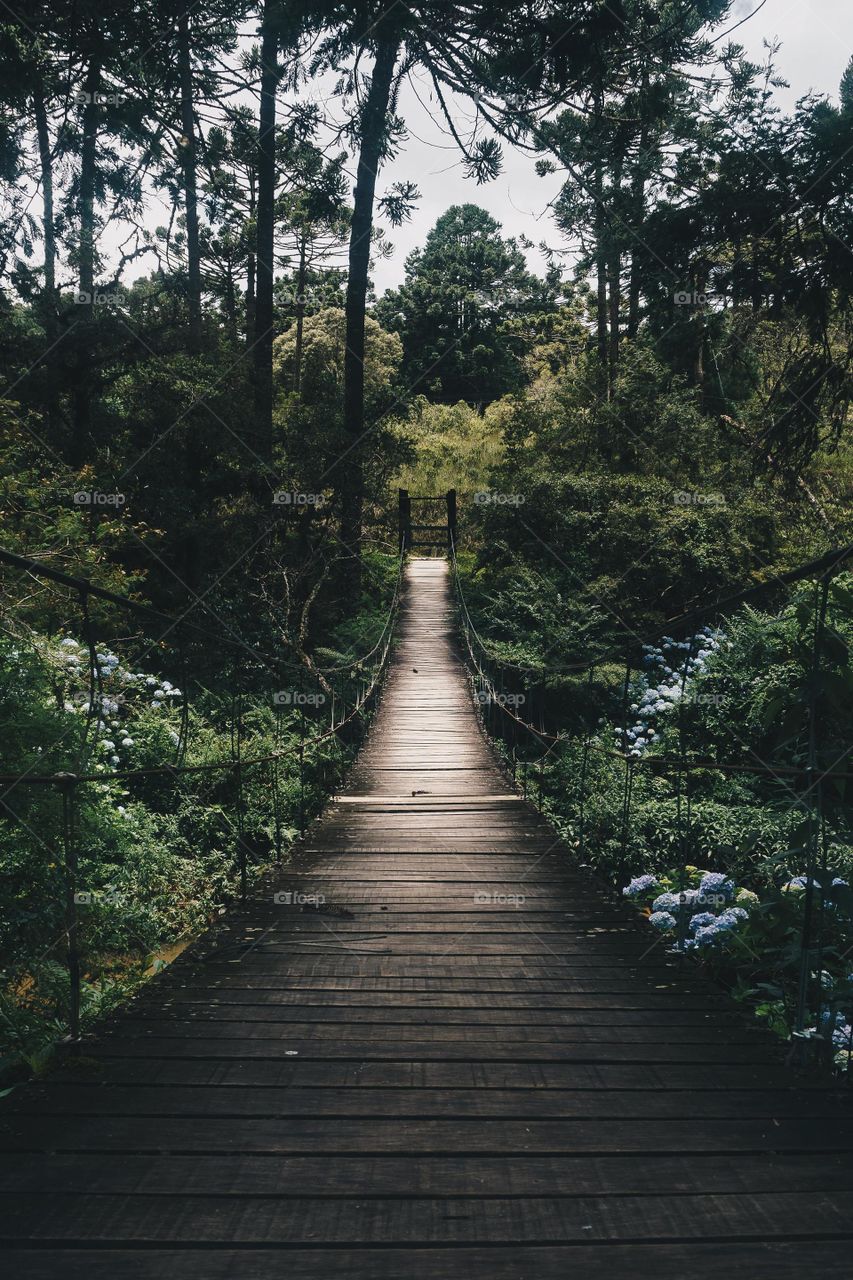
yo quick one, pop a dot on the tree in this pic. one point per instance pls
(460, 291)
(314, 225)
(321, 381)
(188, 152)
(634, 119)
(373, 126)
(265, 244)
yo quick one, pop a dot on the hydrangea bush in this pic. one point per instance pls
(709, 913)
(670, 670)
(697, 910)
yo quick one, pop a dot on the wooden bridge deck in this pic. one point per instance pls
(469, 1061)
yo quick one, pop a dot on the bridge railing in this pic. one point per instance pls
(517, 711)
(321, 707)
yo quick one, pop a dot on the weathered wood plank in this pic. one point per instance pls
(744, 1260)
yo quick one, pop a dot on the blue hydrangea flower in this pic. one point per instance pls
(799, 882)
(716, 883)
(842, 1036)
(675, 901)
(640, 884)
(701, 920)
(731, 917)
(662, 920)
(707, 935)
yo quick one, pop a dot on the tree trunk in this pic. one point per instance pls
(615, 276)
(372, 138)
(250, 271)
(300, 317)
(699, 320)
(48, 223)
(265, 238)
(615, 284)
(600, 270)
(230, 304)
(188, 158)
(638, 208)
(755, 277)
(82, 406)
(88, 149)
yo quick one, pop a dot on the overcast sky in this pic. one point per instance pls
(817, 42)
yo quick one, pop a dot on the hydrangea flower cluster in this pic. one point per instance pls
(662, 920)
(837, 1025)
(702, 913)
(801, 882)
(798, 885)
(640, 885)
(119, 689)
(662, 682)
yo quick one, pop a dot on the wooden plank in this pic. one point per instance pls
(308, 1135)
(457, 1177)
(429, 1032)
(278, 1102)
(416, 1073)
(142, 1219)
(744, 1260)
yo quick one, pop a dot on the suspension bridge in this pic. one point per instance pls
(431, 1045)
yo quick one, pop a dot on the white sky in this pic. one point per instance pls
(817, 42)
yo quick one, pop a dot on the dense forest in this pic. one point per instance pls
(208, 409)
